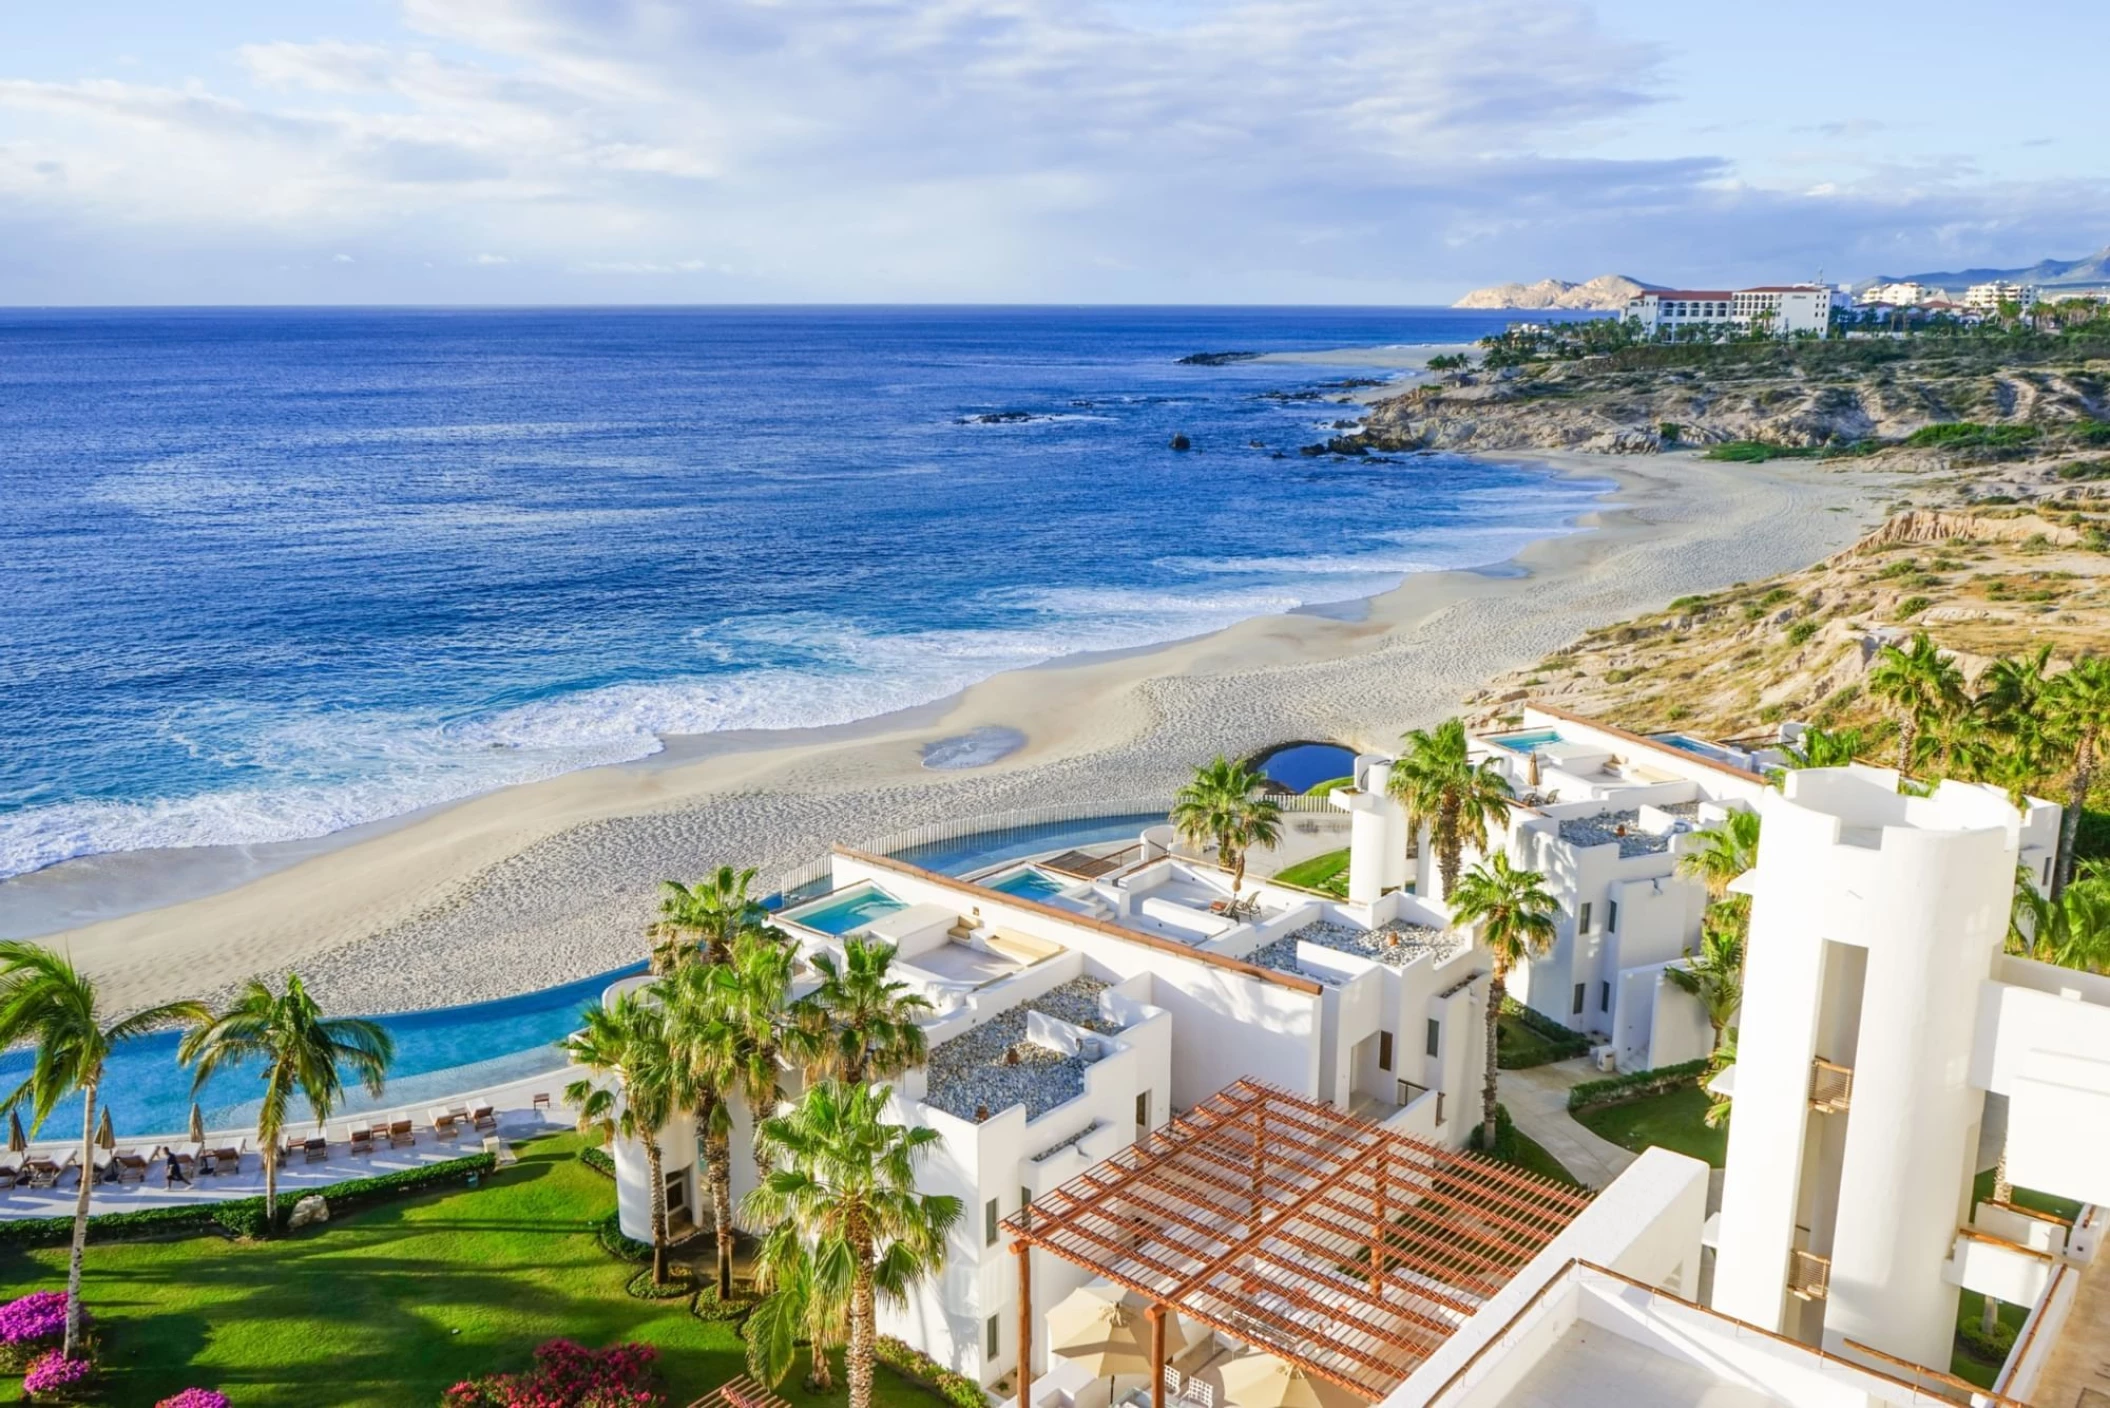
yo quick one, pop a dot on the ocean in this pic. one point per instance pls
(265, 575)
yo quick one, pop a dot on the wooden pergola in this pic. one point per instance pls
(1346, 1249)
(743, 1392)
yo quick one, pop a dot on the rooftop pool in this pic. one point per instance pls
(1029, 882)
(1529, 741)
(1701, 748)
(850, 909)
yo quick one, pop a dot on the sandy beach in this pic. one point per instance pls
(553, 881)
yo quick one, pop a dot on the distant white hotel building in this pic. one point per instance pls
(1988, 297)
(1898, 295)
(1784, 309)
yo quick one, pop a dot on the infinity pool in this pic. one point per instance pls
(454, 1050)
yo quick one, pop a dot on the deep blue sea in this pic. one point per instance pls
(268, 574)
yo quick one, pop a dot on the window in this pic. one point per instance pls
(993, 1333)
(1578, 999)
(1604, 997)
(989, 1222)
(1384, 1051)
(1025, 1198)
(1582, 920)
(1143, 1110)
(1611, 916)
(1435, 1035)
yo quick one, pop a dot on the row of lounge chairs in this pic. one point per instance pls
(191, 1160)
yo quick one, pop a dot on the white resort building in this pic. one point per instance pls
(1783, 310)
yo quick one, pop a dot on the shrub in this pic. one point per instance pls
(568, 1375)
(1635, 1084)
(1912, 606)
(196, 1398)
(914, 1364)
(609, 1233)
(30, 1326)
(1987, 1348)
(1801, 631)
(599, 1160)
(53, 1378)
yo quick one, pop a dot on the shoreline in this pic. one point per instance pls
(551, 881)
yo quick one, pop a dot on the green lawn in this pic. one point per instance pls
(1531, 1156)
(391, 1304)
(1328, 872)
(1330, 785)
(1673, 1120)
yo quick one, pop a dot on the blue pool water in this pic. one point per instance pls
(1700, 748)
(1526, 742)
(1028, 883)
(845, 912)
(1303, 766)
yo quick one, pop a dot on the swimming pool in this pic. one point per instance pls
(1701, 748)
(1303, 766)
(850, 909)
(452, 1050)
(1028, 882)
(1528, 742)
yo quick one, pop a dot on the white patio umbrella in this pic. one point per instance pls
(1265, 1381)
(1102, 1329)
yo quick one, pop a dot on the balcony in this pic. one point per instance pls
(1809, 1275)
(1831, 1086)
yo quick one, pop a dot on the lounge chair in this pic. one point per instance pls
(318, 1148)
(290, 1150)
(11, 1170)
(540, 1101)
(443, 1126)
(105, 1164)
(401, 1135)
(133, 1164)
(46, 1172)
(361, 1139)
(181, 1162)
(225, 1158)
(484, 1118)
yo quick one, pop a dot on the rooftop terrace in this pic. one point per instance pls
(971, 1072)
(1604, 829)
(1394, 944)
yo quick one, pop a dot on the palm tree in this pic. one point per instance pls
(1224, 804)
(1715, 975)
(1727, 849)
(712, 912)
(301, 1052)
(731, 1022)
(1825, 748)
(629, 1042)
(797, 1307)
(1921, 684)
(2070, 930)
(1724, 1055)
(2010, 699)
(2077, 705)
(861, 1024)
(1441, 788)
(1515, 913)
(44, 999)
(845, 1185)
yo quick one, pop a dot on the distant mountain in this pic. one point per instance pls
(1604, 291)
(2089, 271)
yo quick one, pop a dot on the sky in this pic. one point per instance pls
(1029, 151)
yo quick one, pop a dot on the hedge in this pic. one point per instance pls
(608, 1231)
(913, 1364)
(1989, 1349)
(1569, 1042)
(1636, 1084)
(237, 1217)
(599, 1160)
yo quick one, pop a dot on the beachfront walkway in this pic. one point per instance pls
(518, 1118)
(1537, 1098)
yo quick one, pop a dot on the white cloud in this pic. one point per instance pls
(903, 149)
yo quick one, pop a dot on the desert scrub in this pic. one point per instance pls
(1801, 631)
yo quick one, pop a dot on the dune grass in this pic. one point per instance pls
(391, 1304)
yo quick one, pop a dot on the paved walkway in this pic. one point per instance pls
(2080, 1359)
(1537, 1099)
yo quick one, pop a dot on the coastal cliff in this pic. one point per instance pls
(1606, 291)
(1623, 405)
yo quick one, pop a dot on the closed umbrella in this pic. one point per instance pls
(1265, 1381)
(17, 1143)
(197, 1124)
(106, 1133)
